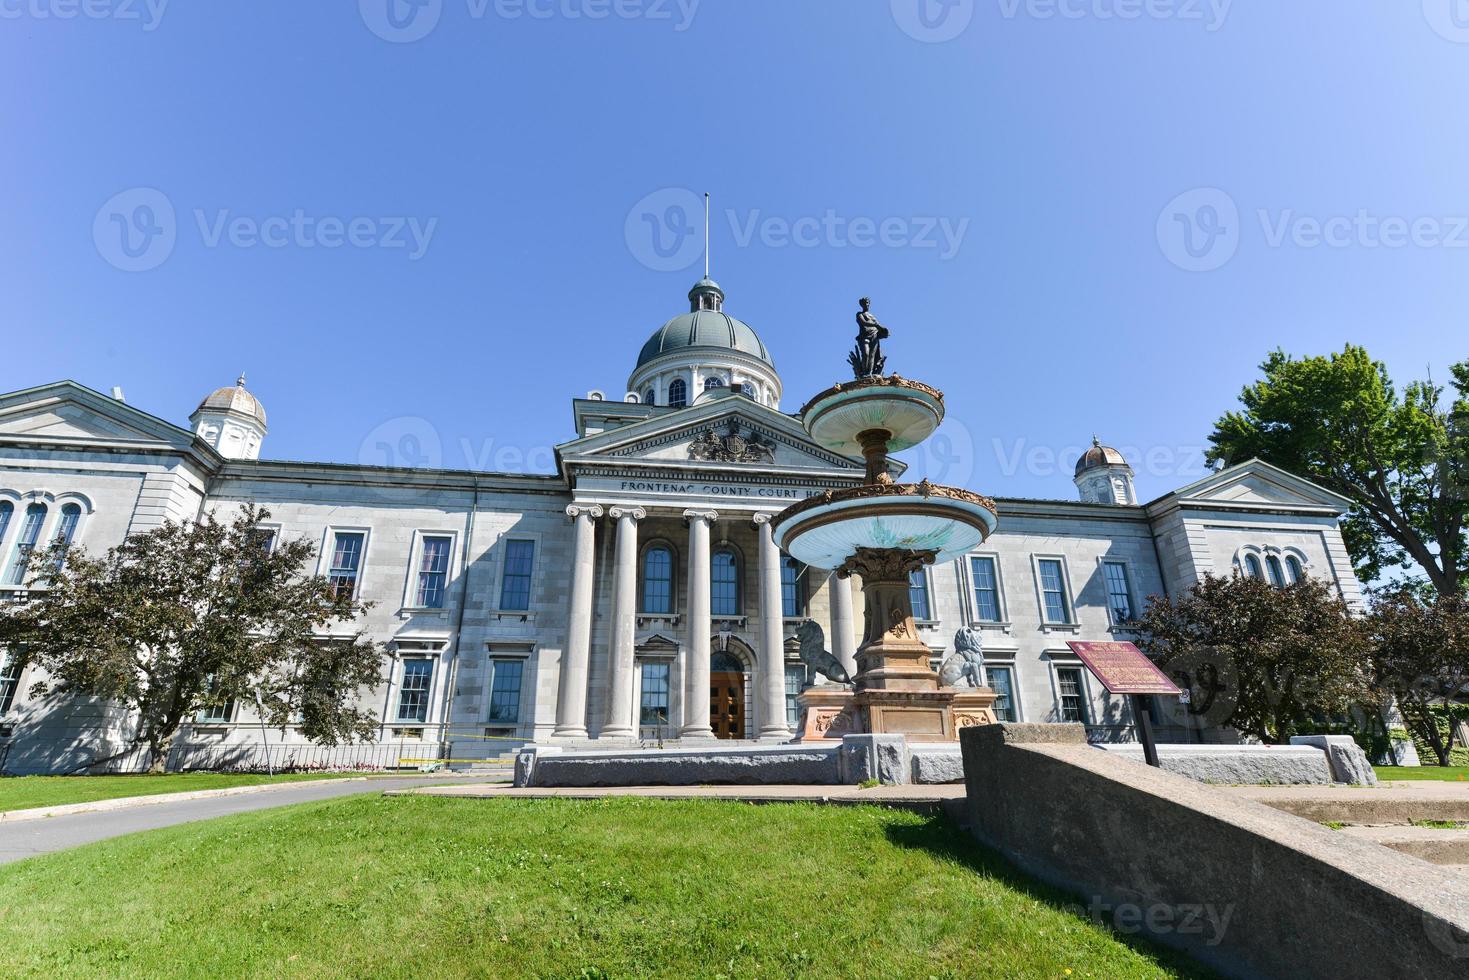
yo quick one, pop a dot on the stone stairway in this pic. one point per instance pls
(1436, 845)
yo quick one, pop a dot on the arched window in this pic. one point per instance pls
(25, 543)
(1293, 565)
(7, 510)
(747, 389)
(711, 383)
(1277, 576)
(678, 393)
(724, 583)
(658, 580)
(66, 529)
(650, 396)
(724, 662)
(792, 588)
(1252, 567)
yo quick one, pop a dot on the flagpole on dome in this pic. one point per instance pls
(706, 234)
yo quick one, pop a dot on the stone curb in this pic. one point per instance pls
(127, 802)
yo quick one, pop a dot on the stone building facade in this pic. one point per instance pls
(634, 593)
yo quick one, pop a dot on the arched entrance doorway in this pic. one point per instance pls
(726, 695)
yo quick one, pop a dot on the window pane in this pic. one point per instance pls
(791, 600)
(1054, 591)
(1119, 596)
(9, 682)
(653, 707)
(1252, 567)
(724, 585)
(658, 581)
(433, 573)
(711, 383)
(505, 691)
(7, 510)
(1293, 565)
(1001, 680)
(1277, 577)
(649, 397)
(218, 713)
(25, 543)
(1073, 703)
(678, 393)
(413, 698)
(986, 590)
(795, 681)
(346, 561)
(918, 593)
(515, 588)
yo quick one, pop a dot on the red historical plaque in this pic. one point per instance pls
(1123, 668)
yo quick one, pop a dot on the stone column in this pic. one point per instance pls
(624, 623)
(696, 665)
(843, 627)
(571, 702)
(771, 681)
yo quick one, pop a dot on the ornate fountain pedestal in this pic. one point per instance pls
(882, 532)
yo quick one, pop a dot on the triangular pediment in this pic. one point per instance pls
(1255, 483)
(727, 433)
(67, 412)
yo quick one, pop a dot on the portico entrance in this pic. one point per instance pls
(726, 696)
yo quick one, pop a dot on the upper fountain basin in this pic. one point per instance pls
(908, 410)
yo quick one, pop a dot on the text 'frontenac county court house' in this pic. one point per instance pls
(499, 597)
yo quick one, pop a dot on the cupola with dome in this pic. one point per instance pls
(231, 421)
(704, 350)
(1103, 476)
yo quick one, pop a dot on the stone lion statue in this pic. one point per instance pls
(962, 667)
(816, 656)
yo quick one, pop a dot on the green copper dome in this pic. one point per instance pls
(706, 325)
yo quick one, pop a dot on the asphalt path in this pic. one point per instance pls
(27, 838)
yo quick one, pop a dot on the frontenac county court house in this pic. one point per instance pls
(499, 597)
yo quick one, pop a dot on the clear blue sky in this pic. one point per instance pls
(520, 137)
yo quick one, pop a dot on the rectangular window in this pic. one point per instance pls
(346, 562)
(520, 559)
(790, 588)
(433, 572)
(724, 584)
(1119, 596)
(918, 593)
(795, 682)
(418, 677)
(505, 690)
(1053, 590)
(653, 702)
(1002, 680)
(9, 683)
(218, 714)
(658, 581)
(986, 590)
(1073, 699)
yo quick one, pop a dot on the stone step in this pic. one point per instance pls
(1432, 844)
(1391, 803)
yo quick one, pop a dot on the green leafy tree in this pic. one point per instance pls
(1401, 459)
(1274, 660)
(188, 616)
(1421, 659)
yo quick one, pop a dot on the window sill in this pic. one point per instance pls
(725, 624)
(1060, 627)
(652, 620)
(513, 615)
(993, 625)
(409, 611)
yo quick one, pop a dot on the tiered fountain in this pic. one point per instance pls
(882, 531)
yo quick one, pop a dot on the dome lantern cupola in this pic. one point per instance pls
(1103, 476)
(231, 421)
(704, 350)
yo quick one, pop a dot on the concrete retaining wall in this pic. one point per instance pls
(1233, 764)
(1247, 889)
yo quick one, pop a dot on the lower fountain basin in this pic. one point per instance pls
(826, 530)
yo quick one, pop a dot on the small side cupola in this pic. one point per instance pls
(1103, 476)
(231, 421)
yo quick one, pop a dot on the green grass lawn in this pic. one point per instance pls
(25, 792)
(424, 887)
(1447, 773)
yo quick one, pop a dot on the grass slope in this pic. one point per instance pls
(1444, 773)
(26, 792)
(422, 887)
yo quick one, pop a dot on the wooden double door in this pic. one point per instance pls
(727, 703)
